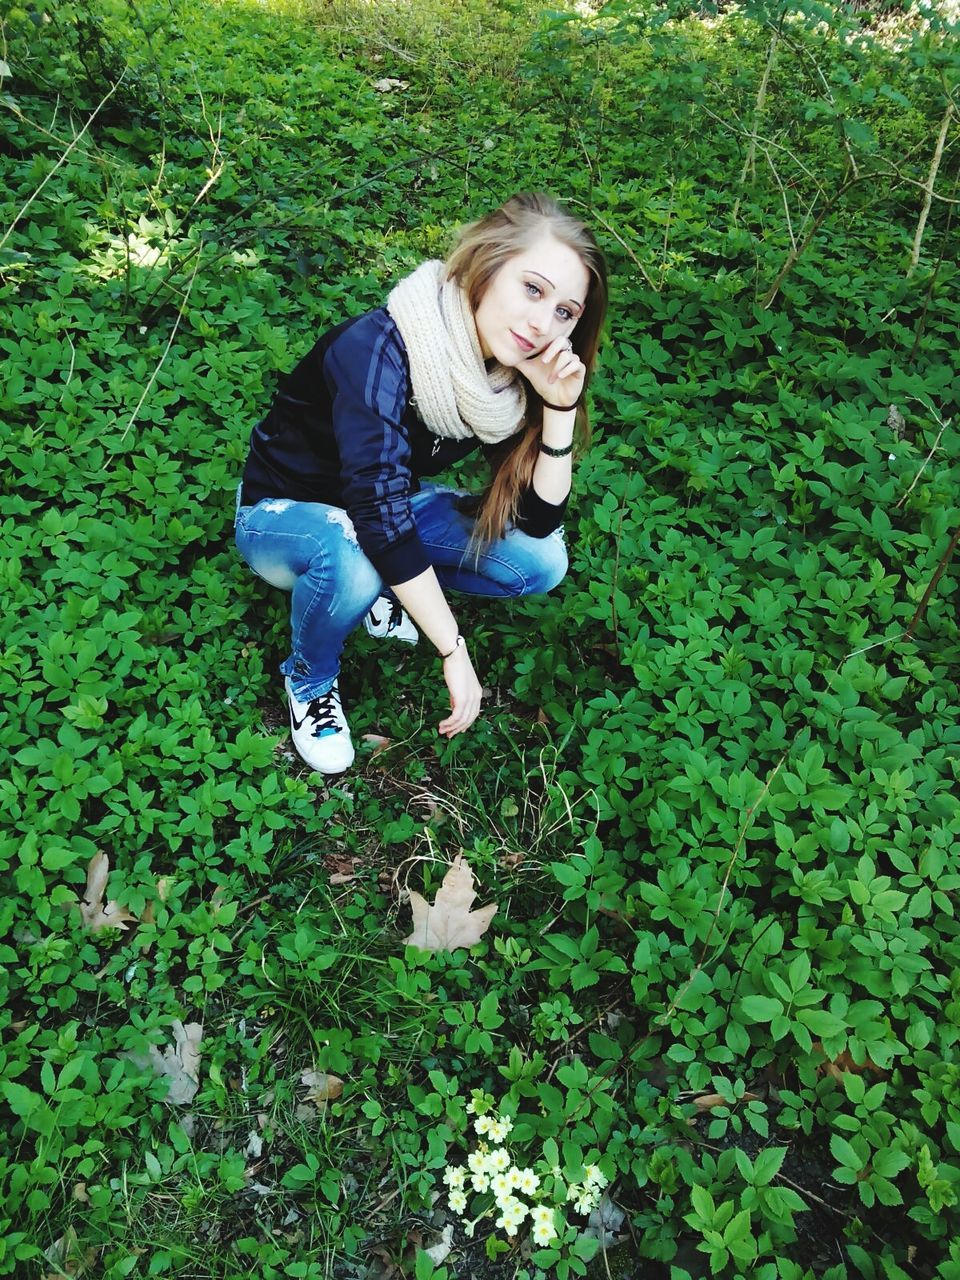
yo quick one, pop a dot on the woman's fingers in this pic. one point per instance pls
(465, 694)
(462, 717)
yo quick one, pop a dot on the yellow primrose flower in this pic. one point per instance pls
(480, 1181)
(501, 1186)
(543, 1233)
(512, 1214)
(458, 1201)
(454, 1176)
(500, 1129)
(498, 1161)
(528, 1182)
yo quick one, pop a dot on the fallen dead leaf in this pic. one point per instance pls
(378, 742)
(321, 1088)
(96, 916)
(449, 923)
(68, 1258)
(80, 1193)
(707, 1101)
(438, 1252)
(843, 1063)
(388, 84)
(179, 1062)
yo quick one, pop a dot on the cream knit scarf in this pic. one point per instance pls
(456, 396)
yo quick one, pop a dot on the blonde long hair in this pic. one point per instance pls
(481, 250)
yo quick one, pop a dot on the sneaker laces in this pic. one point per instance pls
(396, 615)
(324, 710)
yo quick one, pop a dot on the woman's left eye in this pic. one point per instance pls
(564, 314)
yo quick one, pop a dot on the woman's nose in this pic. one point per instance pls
(539, 320)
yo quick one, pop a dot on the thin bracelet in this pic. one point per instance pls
(556, 453)
(561, 408)
(459, 645)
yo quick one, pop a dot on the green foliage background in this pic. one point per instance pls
(715, 793)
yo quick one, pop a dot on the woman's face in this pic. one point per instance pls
(534, 298)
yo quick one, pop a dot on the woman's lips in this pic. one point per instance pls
(522, 343)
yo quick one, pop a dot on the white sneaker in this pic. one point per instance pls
(387, 619)
(320, 731)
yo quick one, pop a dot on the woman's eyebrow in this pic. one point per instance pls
(553, 286)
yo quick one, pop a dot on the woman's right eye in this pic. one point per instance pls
(533, 290)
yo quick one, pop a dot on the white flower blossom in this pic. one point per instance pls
(458, 1201)
(543, 1233)
(500, 1129)
(512, 1214)
(501, 1186)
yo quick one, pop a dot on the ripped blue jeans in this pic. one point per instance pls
(311, 550)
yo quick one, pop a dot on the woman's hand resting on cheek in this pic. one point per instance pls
(556, 374)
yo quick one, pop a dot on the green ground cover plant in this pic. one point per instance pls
(715, 793)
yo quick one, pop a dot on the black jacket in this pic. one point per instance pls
(344, 429)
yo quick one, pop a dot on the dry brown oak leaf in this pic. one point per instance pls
(449, 923)
(96, 916)
(179, 1062)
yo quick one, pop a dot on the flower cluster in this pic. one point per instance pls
(490, 1170)
(587, 1195)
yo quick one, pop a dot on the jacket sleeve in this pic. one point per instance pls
(366, 373)
(535, 516)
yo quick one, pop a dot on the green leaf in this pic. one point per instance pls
(842, 1151)
(760, 1008)
(768, 1164)
(821, 1022)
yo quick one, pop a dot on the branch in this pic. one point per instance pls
(100, 105)
(616, 235)
(748, 164)
(945, 560)
(923, 466)
(928, 195)
(166, 352)
(796, 252)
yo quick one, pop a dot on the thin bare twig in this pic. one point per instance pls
(928, 188)
(783, 196)
(748, 164)
(923, 465)
(618, 237)
(664, 1018)
(96, 111)
(945, 560)
(166, 352)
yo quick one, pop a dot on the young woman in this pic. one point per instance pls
(490, 350)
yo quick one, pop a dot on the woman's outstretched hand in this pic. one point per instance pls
(465, 692)
(556, 374)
